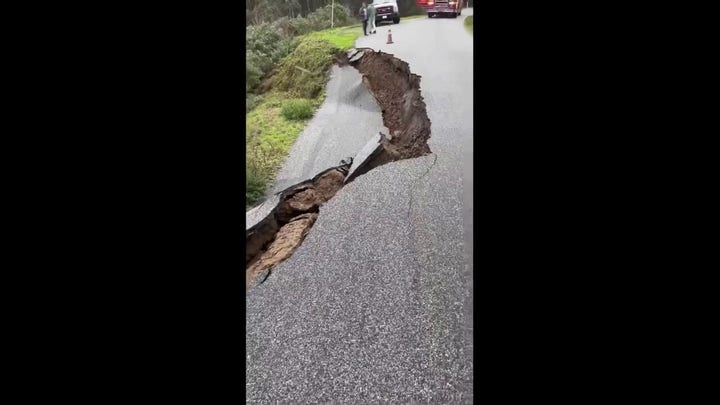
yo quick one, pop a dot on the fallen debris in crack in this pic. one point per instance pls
(275, 237)
(291, 213)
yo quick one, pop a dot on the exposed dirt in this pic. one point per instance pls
(287, 239)
(259, 237)
(277, 236)
(309, 198)
(397, 90)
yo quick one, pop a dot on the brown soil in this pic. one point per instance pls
(397, 90)
(312, 196)
(277, 236)
(259, 237)
(287, 239)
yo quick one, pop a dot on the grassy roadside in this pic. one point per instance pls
(468, 23)
(301, 75)
(300, 78)
(343, 38)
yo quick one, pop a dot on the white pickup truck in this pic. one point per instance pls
(386, 11)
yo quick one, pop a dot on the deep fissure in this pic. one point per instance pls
(273, 239)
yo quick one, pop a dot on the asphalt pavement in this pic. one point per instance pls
(348, 118)
(376, 305)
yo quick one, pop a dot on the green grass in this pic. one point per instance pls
(255, 185)
(268, 138)
(303, 73)
(343, 38)
(269, 134)
(469, 23)
(297, 109)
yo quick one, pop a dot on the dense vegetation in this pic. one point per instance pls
(297, 109)
(287, 63)
(268, 43)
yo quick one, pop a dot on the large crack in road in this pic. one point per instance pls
(275, 237)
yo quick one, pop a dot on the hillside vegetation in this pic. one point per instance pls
(288, 55)
(287, 69)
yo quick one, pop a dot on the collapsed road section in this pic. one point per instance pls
(277, 227)
(397, 91)
(274, 235)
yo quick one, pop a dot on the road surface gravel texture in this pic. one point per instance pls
(376, 304)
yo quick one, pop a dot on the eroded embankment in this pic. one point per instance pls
(273, 239)
(397, 91)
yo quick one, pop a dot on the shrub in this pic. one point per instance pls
(299, 26)
(253, 71)
(286, 26)
(252, 101)
(267, 44)
(255, 184)
(265, 48)
(297, 109)
(315, 21)
(320, 18)
(262, 38)
(303, 73)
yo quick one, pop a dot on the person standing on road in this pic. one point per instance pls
(364, 17)
(371, 17)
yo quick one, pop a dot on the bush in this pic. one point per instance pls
(303, 73)
(297, 109)
(265, 47)
(282, 26)
(255, 184)
(299, 26)
(262, 39)
(320, 18)
(252, 101)
(268, 43)
(253, 71)
(256, 167)
(315, 21)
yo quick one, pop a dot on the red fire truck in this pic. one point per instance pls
(450, 8)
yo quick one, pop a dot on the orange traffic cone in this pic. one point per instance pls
(389, 36)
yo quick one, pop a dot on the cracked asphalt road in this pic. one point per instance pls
(328, 138)
(376, 305)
